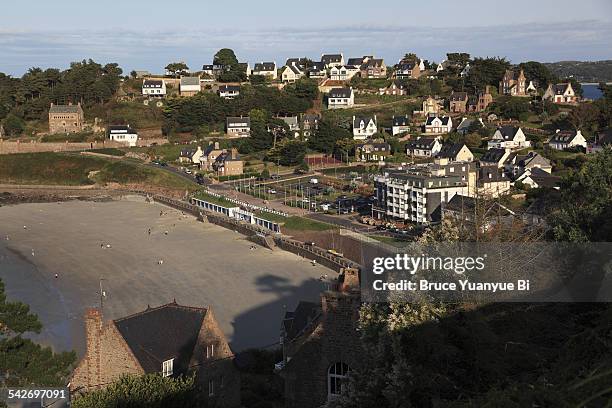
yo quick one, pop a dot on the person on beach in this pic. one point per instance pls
(56, 276)
(149, 231)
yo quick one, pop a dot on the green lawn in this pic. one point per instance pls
(71, 169)
(111, 151)
(202, 195)
(72, 137)
(296, 223)
(167, 152)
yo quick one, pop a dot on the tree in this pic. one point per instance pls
(511, 107)
(473, 140)
(459, 58)
(225, 57)
(536, 71)
(302, 168)
(13, 125)
(22, 361)
(410, 58)
(177, 68)
(585, 116)
(325, 138)
(265, 173)
(586, 202)
(486, 71)
(150, 390)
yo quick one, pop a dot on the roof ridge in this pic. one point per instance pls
(153, 309)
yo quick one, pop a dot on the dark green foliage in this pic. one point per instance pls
(232, 72)
(260, 387)
(460, 58)
(486, 71)
(325, 138)
(177, 68)
(536, 71)
(151, 391)
(13, 125)
(586, 203)
(304, 88)
(22, 362)
(292, 153)
(510, 107)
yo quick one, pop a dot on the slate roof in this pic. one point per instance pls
(294, 69)
(560, 88)
(188, 80)
(450, 150)
(296, 61)
(405, 66)
(458, 96)
(493, 155)
(466, 123)
(430, 120)
(64, 109)
(508, 132)
(152, 83)
(355, 61)
(400, 121)
(295, 322)
(229, 88)
(423, 143)
(544, 179)
(237, 121)
(374, 63)
(187, 153)
(310, 117)
(120, 129)
(317, 66)
(366, 120)
(564, 136)
(162, 333)
(490, 174)
(264, 66)
(340, 93)
(327, 58)
(460, 203)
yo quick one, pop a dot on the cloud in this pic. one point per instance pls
(584, 40)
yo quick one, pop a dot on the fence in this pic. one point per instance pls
(247, 205)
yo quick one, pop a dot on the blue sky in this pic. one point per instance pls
(148, 34)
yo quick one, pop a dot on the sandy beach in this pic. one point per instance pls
(203, 265)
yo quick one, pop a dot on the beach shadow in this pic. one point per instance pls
(260, 327)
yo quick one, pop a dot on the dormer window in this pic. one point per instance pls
(210, 351)
(167, 368)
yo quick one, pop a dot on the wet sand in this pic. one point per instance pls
(203, 265)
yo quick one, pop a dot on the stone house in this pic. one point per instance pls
(310, 123)
(395, 88)
(321, 344)
(375, 151)
(458, 102)
(228, 163)
(171, 340)
(513, 83)
(517, 164)
(407, 71)
(66, 118)
(492, 182)
(374, 68)
(484, 100)
(430, 106)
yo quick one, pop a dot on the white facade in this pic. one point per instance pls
(562, 140)
(123, 135)
(340, 100)
(437, 125)
(266, 69)
(154, 87)
(342, 73)
(501, 141)
(291, 73)
(364, 128)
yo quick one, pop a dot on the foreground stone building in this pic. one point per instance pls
(172, 340)
(66, 118)
(321, 344)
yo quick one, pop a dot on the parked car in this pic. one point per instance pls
(271, 191)
(275, 176)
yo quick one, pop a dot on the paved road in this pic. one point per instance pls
(174, 170)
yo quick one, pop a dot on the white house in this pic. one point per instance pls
(265, 69)
(421, 65)
(339, 98)
(343, 72)
(560, 93)
(364, 127)
(567, 139)
(291, 73)
(123, 134)
(424, 147)
(191, 155)
(508, 137)
(332, 60)
(229, 91)
(238, 126)
(438, 124)
(189, 86)
(317, 70)
(400, 124)
(154, 87)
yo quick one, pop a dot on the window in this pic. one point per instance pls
(211, 388)
(337, 375)
(167, 368)
(210, 351)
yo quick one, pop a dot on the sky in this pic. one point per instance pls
(147, 35)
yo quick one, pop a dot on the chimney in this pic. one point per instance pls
(93, 330)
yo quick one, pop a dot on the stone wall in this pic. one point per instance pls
(107, 356)
(11, 147)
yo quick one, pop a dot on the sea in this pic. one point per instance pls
(591, 91)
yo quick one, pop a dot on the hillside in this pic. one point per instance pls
(583, 71)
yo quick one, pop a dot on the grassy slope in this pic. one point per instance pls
(73, 170)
